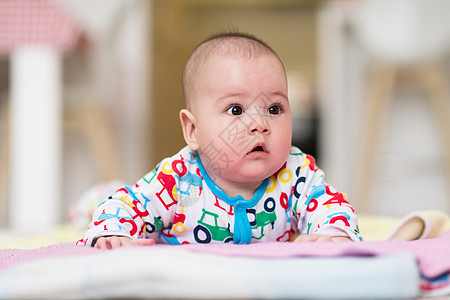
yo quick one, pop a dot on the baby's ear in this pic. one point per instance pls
(189, 131)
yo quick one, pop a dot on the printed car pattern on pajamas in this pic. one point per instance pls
(178, 203)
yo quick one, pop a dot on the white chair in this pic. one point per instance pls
(85, 103)
(402, 37)
(4, 165)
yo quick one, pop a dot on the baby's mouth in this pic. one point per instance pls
(260, 148)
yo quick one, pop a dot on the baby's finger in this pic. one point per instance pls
(143, 242)
(101, 243)
(114, 242)
(306, 238)
(324, 238)
(341, 239)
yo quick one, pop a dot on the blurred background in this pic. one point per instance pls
(368, 85)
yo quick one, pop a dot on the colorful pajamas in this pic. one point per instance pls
(178, 203)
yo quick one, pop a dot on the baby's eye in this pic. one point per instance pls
(235, 110)
(275, 109)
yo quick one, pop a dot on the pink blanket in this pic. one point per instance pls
(433, 255)
(11, 257)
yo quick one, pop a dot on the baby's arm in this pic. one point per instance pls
(134, 214)
(324, 213)
(328, 216)
(112, 242)
(118, 220)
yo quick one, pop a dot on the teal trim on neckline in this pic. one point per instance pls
(242, 229)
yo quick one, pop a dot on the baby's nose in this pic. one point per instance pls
(260, 126)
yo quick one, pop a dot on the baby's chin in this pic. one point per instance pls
(253, 176)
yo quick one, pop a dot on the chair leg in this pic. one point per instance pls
(4, 162)
(379, 92)
(435, 80)
(103, 143)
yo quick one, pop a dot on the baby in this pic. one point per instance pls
(238, 180)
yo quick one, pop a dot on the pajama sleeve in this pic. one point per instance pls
(320, 208)
(138, 211)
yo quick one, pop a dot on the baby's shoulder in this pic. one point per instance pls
(184, 160)
(298, 160)
(296, 152)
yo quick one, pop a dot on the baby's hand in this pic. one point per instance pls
(321, 238)
(112, 242)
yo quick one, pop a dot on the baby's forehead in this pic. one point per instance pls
(232, 74)
(231, 47)
(218, 60)
(208, 56)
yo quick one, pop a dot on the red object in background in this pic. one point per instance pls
(36, 22)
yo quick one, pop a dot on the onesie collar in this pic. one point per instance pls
(236, 200)
(242, 230)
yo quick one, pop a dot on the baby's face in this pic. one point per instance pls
(243, 118)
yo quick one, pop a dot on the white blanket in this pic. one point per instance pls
(175, 272)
